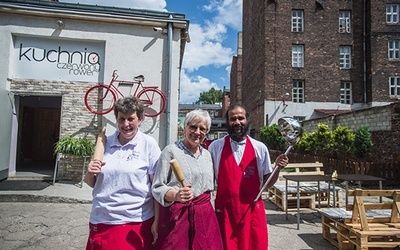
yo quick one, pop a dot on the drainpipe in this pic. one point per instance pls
(168, 80)
(364, 51)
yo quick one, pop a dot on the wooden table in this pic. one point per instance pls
(309, 178)
(359, 177)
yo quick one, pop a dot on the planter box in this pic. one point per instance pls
(71, 167)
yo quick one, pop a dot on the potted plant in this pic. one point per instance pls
(72, 153)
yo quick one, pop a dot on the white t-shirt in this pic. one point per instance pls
(262, 155)
(122, 192)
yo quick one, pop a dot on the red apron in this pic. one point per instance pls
(243, 224)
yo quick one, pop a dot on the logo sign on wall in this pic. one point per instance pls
(60, 60)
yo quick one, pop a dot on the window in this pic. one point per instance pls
(392, 13)
(297, 56)
(298, 91)
(299, 118)
(297, 21)
(394, 86)
(344, 21)
(345, 92)
(345, 57)
(394, 49)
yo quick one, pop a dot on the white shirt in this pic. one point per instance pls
(261, 151)
(122, 192)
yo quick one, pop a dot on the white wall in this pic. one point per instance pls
(130, 48)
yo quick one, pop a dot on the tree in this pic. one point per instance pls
(343, 141)
(211, 97)
(273, 138)
(362, 143)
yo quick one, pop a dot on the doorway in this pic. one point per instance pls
(38, 131)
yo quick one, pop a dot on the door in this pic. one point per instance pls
(6, 109)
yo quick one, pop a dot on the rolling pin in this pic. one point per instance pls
(178, 172)
(100, 146)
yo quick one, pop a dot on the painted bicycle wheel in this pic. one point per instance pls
(100, 100)
(153, 101)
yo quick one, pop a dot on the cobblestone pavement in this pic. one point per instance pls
(32, 225)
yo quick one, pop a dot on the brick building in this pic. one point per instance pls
(307, 59)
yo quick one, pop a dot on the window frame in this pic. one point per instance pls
(297, 21)
(392, 14)
(346, 92)
(298, 55)
(345, 19)
(298, 91)
(394, 87)
(394, 49)
(345, 57)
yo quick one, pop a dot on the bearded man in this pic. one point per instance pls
(241, 164)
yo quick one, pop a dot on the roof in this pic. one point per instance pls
(95, 10)
(331, 111)
(199, 106)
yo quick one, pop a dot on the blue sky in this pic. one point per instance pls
(213, 29)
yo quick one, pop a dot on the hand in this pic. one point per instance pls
(282, 161)
(94, 167)
(154, 231)
(184, 194)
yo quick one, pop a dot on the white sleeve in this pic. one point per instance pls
(215, 149)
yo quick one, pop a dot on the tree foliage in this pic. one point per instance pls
(211, 97)
(271, 136)
(362, 143)
(338, 143)
(343, 140)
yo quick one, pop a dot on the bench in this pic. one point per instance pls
(309, 191)
(367, 223)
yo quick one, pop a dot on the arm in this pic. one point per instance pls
(280, 162)
(93, 169)
(154, 226)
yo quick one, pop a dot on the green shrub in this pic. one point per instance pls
(272, 137)
(362, 143)
(75, 146)
(342, 141)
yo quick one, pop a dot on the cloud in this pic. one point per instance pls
(206, 47)
(191, 87)
(229, 12)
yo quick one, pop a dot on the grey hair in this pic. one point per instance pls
(198, 115)
(129, 105)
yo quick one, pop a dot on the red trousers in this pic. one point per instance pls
(136, 235)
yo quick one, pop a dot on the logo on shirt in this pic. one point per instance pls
(249, 171)
(133, 156)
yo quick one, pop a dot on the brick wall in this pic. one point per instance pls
(76, 120)
(383, 122)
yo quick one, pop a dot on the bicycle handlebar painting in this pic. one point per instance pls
(100, 98)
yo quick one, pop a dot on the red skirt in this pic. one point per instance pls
(191, 225)
(135, 235)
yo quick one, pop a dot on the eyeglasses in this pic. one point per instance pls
(194, 128)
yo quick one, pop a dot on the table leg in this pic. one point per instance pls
(319, 195)
(298, 205)
(286, 198)
(334, 193)
(380, 187)
(347, 189)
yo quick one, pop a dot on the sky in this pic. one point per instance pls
(213, 29)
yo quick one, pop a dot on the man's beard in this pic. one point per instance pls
(239, 135)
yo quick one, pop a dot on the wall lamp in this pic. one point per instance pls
(161, 30)
(60, 24)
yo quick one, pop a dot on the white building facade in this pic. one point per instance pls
(54, 52)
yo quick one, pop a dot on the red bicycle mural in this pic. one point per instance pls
(100, 98)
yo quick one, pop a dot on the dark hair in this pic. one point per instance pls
(233, 106)
(129, 105)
